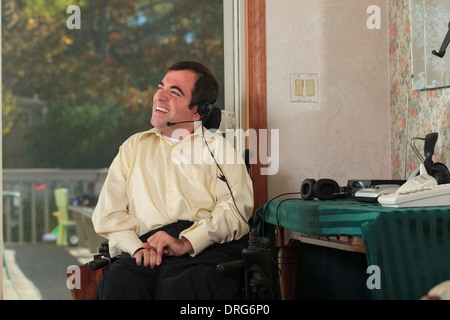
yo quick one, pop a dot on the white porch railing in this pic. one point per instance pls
(28, 201)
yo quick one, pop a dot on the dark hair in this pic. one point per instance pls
(207, 86)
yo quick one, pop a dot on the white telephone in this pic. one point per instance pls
(420, 181)
(420, 191)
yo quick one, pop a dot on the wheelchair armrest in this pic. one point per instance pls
(230, 266)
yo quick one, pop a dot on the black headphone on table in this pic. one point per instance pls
(324, 189)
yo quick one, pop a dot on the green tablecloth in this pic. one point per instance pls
(411, 246)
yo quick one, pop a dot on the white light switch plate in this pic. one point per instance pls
(304, 87)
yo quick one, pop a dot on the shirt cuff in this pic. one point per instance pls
(123, 241)
(199, 239)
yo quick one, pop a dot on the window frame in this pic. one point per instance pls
(245, 80)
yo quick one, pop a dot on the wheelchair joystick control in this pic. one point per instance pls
(102, 259)
(98, 263)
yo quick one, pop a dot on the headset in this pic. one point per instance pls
(324, 189)
(204, 108)
(437, 170)
(210, 115)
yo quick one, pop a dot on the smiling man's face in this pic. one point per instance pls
(171, 102)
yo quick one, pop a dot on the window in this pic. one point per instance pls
(94, 84)
(72, 95)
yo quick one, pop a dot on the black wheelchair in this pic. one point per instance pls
(255, 266)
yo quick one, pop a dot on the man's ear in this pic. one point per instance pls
(196, 115)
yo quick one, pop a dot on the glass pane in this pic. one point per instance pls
(77, 81)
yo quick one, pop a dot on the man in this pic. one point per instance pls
(169, 205)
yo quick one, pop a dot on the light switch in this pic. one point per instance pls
(310, 88)
(304, 87)
(298, 88)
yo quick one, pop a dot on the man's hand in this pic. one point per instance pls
(440, 291)
(159, 244)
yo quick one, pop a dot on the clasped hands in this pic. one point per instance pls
(159, 244)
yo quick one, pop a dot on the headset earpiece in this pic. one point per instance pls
(210, 115)
(307, 189)
(324, 189)
(440, 172)
(204, 108)
(437, 170)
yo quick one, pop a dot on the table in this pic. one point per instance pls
(410, 246)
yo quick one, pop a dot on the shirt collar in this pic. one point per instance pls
(198, 132)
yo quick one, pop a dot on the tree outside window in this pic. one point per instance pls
(72, 96)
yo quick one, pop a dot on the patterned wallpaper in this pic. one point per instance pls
(413, 113)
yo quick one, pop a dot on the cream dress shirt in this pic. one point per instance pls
(153, 182)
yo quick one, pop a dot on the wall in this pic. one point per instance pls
(346, 135)
(413, 113)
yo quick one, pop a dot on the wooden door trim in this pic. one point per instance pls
(257, 87)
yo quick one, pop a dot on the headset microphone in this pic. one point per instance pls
(204, 110)
(210, 116)
(169, 124)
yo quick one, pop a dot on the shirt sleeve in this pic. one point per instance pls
(228, 219)
(111, 218)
